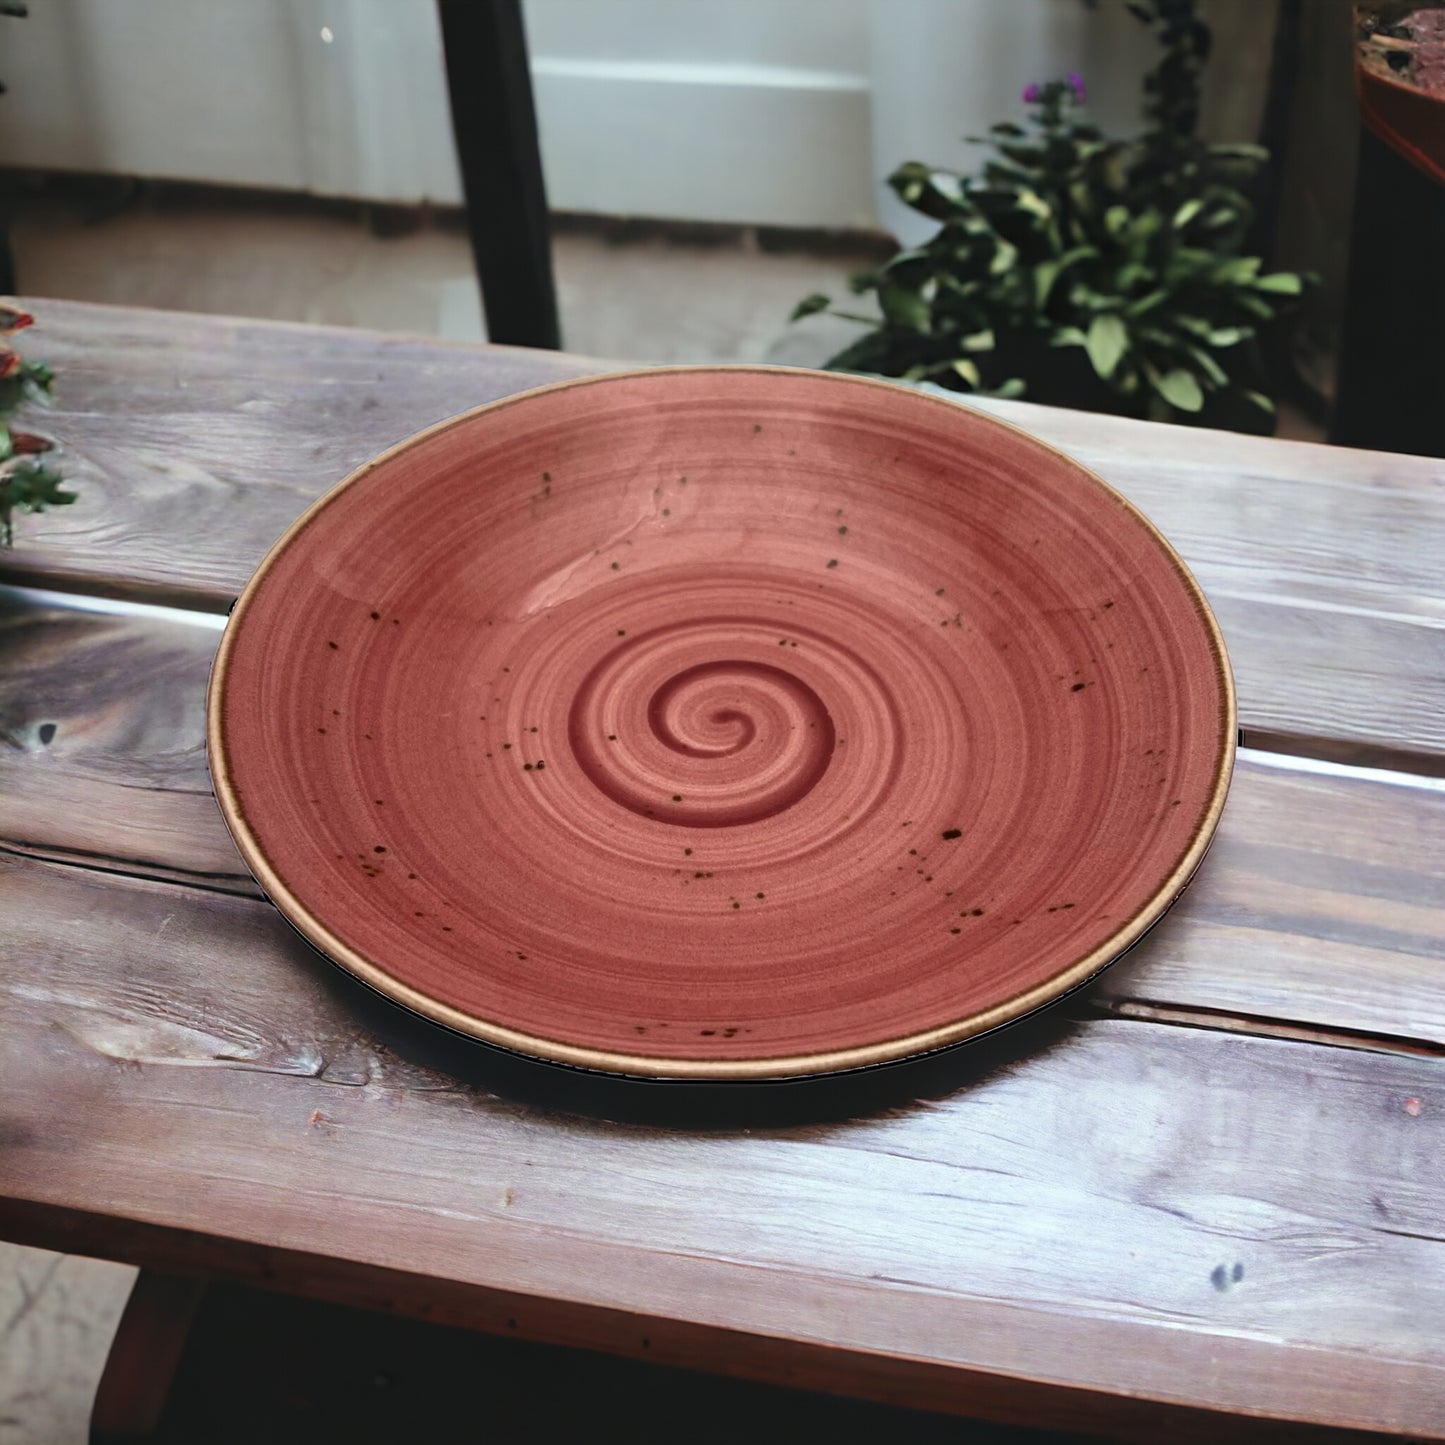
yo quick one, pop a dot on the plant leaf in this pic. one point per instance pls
(1034, 204)
(1187, 213)
(1260, 400)
(1106, 343)
(1004, 258)
(905, 261)
(1047, 272)
(1144, 226)
(1239, 152)
(1179, 388)
(903, 306)
(978, 341)
(1081, 193)
(869, 352)
(1137, 308)
(935, 193)
(1255, 304)
(810, 305)
(1209, 366)
(1237, 270)
(1286, 283)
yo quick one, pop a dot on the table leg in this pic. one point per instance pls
(144, 1356)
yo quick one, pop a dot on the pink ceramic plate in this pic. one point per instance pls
(722, 723)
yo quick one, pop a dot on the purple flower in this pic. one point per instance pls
(1031, 93)
(1076, 81)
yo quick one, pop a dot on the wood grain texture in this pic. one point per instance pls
(197, 440)
(888, 1379)
(1229, 1223)
(1050, 1237)
(102, 738)
(1322, 902)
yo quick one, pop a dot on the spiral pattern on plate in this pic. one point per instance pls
(722, 723)
(672, 727)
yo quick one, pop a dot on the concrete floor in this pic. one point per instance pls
(57, 1317)
(626, 290)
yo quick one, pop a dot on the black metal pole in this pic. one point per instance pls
(495, 126)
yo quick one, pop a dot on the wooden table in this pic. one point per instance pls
(1208, 1194)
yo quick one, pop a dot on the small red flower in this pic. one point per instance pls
(26, 443)
(9, 364)
(13, 319)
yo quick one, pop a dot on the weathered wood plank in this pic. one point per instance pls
(1324, 565)
(1322, 902)
(889, 1379)
(102, 741)
(197, 440)
(181, 1081)
(1226, 1223)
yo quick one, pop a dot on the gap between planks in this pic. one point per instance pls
(1197, 1016)
(209, 610)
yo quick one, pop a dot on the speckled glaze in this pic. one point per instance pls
(722, 722)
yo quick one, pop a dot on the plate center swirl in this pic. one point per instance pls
(695, 741)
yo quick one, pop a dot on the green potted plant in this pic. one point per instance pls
(1083, 271)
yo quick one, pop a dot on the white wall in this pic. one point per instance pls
(245, 92)
(718, 110)
(727, 110)
(785, 112)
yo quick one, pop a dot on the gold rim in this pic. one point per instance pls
(784, 1066)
